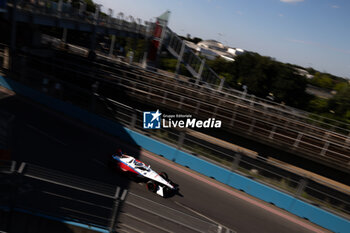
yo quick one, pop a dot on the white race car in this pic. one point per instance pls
(157, 183)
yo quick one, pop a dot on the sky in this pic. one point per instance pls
(310, 33)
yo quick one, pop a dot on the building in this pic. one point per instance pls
(304, 73)
(212, 49)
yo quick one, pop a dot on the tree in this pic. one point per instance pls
(263, 75)
(90, 6)
(188, 38)
(196, 40)
(340, 103)
(318, 105)
(322, 80)
(339, 86)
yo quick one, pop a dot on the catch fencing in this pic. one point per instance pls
(238, 115)
(52, 194)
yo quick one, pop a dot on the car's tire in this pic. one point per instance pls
(164, 175)
(151, 186)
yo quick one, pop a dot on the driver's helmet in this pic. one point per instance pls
(119, 152)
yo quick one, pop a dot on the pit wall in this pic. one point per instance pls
(287, 202)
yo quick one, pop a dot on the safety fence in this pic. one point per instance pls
(247, 163)
(193, 63)
(287, 117)
(247, 184)
(52, 194)
(277, 175)
(4, 56)
(79, 14)
(201, 70)
(174, 42)
(47, 192)
(241, 115)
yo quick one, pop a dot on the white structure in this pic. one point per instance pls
(235, 51)
(304, 73)
(191, 45)
(212, 49)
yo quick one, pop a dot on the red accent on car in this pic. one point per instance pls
(126, 168)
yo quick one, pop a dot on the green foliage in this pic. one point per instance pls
(340, 103)
(340, 86)
(288, 87)
(263, 75)
(137, 45)
(318, 105)
(311, 71)
(194, 40)
(168, 64)
(140, 49)
(336, 108)
(322, 80)
(90, 6)
(325, 80)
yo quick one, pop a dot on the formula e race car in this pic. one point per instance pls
(156, 182)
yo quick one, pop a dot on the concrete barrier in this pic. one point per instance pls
(314, 214)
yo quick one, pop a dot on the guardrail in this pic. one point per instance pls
(281, 199)
(64, 197)
(208, 75)
(193, 63)
(7, 166)
(277, 175)
(314, 191)
(257, 109)
(67, 12)
(4, 56)
(242, 117)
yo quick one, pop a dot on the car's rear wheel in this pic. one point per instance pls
(164, 175)
(151, 186)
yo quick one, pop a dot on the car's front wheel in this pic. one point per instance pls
(164, 175)
(151, 186)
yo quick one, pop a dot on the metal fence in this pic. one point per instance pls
(57, 194)
(85, 95)
(268, 111)
(193, 63)
(247, 163)
(68, 12)
(305, 187)
(173, 42)
(240, 115)
(51, 193)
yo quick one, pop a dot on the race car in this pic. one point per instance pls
(155, 182)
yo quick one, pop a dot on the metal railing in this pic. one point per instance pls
(251, 104)
(193, 63)
(248, 119)
(4, 56)
(66, 11)
(303, 186)
(57, 194)
(310, 189)
(203, 73)
(83, 96)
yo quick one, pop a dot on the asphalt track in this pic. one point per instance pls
(49, 139)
